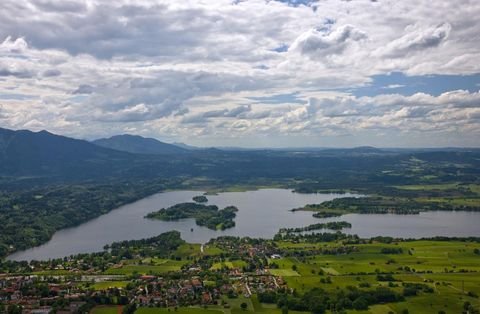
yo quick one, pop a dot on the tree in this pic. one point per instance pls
(14, 309)
(360, 304)
(129, 308)
(244, 306)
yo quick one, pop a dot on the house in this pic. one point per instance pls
(196, 283)
(74, 306)
(42, 310)
(147, 278)
(206, 298)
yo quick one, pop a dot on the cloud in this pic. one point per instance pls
(51, 73)
(393, 86)
(12, 70)
(14, 46)
(62, 6)
(137, 112)
(83, 89)
(212, 68)
(416, 39)
(239, 111)
(316, 43)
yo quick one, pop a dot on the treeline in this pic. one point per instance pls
(30, 218)
(384, 205)
(324, 214)
(161, 246)
(317, 237)
(332, 225)
(319, 300)
(205, 215)
(388, 240)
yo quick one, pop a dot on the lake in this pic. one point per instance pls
(261, 214)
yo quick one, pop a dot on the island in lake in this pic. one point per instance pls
(205, 215)
(332, 225)
(200, 199)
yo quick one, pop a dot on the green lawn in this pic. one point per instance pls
(109, 284)
(160, 266)
(106, 310)
(428, 187)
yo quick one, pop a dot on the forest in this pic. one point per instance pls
(209, 216)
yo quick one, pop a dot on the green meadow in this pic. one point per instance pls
(109, 284)
(150, 266)
(451, 269)
(106, 310)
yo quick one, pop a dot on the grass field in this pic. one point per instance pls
(229, 265)
(106, 310)
(109, 284)
(284, 272)
(192, 250)
(428, 187)
(451, 268)
(149, 266)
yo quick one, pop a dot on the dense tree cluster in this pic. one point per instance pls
(332, 225)
(205, 215)
(200, 199)
(316, 237)
(29, 218)
(161, 246)
(319, 300)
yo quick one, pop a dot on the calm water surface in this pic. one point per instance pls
(261, 214)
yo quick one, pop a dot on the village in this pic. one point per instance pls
(73, 285)
(306, 273)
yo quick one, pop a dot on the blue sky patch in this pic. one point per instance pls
(78, 98)
(296, 3)
(281, 48)
(16, 97)
(279, 99)
(399, 83)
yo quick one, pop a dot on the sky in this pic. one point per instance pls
(329, 73)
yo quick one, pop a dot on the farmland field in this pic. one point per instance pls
(451, 269)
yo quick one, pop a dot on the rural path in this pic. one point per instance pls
(248, 288)
(275, 281)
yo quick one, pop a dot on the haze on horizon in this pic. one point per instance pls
(248, 73)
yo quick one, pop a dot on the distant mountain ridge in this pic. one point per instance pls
(186, 146)
(136, 144)
(29, 158)
(27, 152)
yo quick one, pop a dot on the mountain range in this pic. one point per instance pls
(139, 145)
(27, 156)
(25, 152)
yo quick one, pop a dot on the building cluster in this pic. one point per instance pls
(35, 295)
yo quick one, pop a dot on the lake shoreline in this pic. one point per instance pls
(261, 214)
